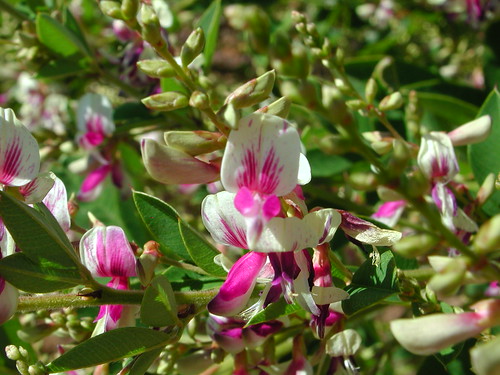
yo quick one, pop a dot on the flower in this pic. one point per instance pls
(106, 252)
(262, 162)
(94, 120)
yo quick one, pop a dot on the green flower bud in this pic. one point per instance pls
(382, 147)
(355, 104)
(488, 237)
(166, 101)
(22, 367)
(339, 56)
(298, 17)
(334, 144)
(129, 9)
(486, 189)
(252, 92)
(36, 333)
(111, 9)
(415, 245)
(193, 46)
(365, 181)
(12, 352)
(199, 100)
(229, 115)
(343, 86)
(195, 142)
(415, 184)
(392, 101)
(400, 157)
(156, 68)
(343, 344)
(449, 278)
(485, 358)
(279, 108)
(37, 369)
(371, 90)
(151, 30)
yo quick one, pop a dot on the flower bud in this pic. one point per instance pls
(485, 358)
(12, 352)
(156, 68)
(343, 86)
(166, 101)
(335, 144)
(147, 262)
(488, 237)
(37, 369)
(22, 367)
(171, 166)
(343, 344)
(279, 108)
(151, 31)
(365, 181)
(355, 104)
(415, 245)
(429, 334)
(193, 46)
(298, 17)
(370, 90)
(401, 155)
(449, 278)
(199, 100)
(111, 9)
(195, 142)
(129, 9)
(392, 101)
(472, 132)
(486, 189)
(381, 73)
(416, 184)
(229, 115)
(36, 333)
(252, 92)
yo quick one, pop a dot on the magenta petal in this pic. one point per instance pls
(245, 203)
(271, 207)
(92, 184)
(106, 252)
(236, 290)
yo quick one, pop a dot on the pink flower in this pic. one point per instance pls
(261, 163)
(106, 252)
(94, 120)
(390, 212)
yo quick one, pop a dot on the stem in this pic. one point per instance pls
(13, 11)
(197, 299)
(184, 77)
(420, 274)
(185, 266)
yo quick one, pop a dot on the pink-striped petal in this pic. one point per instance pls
(37, 189)
(366, 232)
(106, 252)
(436, 157)
(19, 155)
(236, 290)
(57, 203)
(262, 155)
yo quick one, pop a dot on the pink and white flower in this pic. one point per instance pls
(106, 252)
(262, 162)
(94, 120)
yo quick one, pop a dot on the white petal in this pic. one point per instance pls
(436, 157)
(19, 155)
(38, 188)
(326, 295)
(263, 155)
(304, 171)
(95, 104)
(57, 203)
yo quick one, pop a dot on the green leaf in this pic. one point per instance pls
(448, 112)
(323, 165)
(209, 22)
(483, 156)
(274, 311)
(158, 308)
(201, 251)
(163, 223)
(38, 235)
(71, 23)
(371, 284)
(24, 274)
(57, 37)
(111, 346)
(61, 68)
(144, 361)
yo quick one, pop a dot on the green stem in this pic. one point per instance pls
(107, 296)
(420, 274)
(185, 266)
(13, 11)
